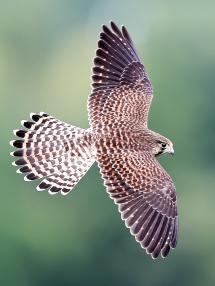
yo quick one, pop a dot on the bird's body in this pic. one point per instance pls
(118, 139)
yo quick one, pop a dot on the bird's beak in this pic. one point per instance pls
(171, 150)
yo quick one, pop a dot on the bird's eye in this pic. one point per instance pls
(163, 145)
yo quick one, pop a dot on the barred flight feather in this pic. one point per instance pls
(54, 151)
(59, 154)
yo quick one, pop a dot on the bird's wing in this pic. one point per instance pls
(121, 91)
(146, 197)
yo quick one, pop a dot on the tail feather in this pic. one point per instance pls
(54, 151)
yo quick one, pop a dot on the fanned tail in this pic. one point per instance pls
(49, 149)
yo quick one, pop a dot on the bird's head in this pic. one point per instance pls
(162, 145)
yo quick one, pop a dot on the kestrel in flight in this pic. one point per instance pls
(118, 139)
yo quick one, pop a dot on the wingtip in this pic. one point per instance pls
(164, 256)
(149, 253)
(153, 257)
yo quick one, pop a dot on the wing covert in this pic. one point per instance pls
(119, 76)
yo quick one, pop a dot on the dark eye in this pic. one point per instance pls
(163, 145)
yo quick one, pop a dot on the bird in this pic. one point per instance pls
(118, 139)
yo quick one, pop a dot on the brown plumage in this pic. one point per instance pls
(118, 139)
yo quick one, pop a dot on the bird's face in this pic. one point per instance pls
(162, 145)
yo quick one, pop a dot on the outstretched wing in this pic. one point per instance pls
(121, 91)
(146, 198)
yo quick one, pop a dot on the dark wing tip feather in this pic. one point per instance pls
(115, 53)
(153, 230)
(165, 251)
(116, 29)
(126, 35)
(174, 239)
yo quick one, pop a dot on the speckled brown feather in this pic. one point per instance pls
(122, 92)
(118, 139)
(141, 188)
(118, 109)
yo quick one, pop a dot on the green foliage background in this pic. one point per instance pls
(46, 51)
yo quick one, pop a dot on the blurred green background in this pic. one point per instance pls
(46, 51)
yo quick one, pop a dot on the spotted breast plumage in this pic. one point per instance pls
(118, 139)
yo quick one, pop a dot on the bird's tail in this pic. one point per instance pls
(49, 149)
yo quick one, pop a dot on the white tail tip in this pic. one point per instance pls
(26, 179)
(32, 114)
(23, 122)
(15, 131)
(52, 193)
(39, 189)
(11, 143)
(64, 193)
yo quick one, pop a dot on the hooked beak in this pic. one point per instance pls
(172, 152)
